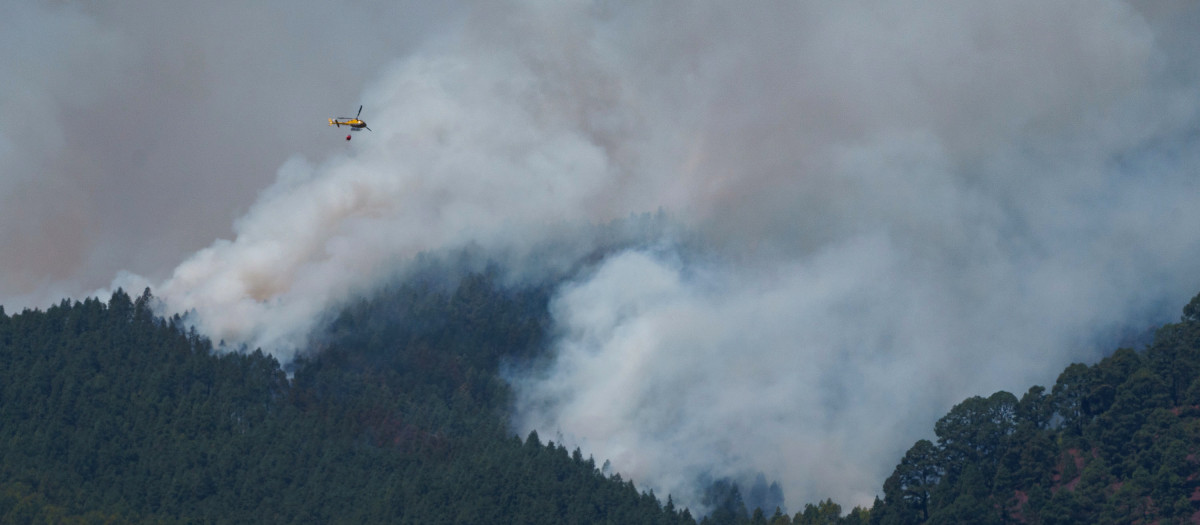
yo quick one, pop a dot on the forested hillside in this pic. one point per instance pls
(110, 415)
(1115, 442)
(398, 415)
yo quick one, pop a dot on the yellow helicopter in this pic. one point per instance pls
(354, 123)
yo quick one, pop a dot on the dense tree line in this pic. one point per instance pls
(398, 414)
(1115, 442)
(111, 415)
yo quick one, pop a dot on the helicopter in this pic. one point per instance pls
(354, 123)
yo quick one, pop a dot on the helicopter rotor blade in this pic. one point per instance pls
(359, 111)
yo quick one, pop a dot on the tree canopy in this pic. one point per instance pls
(1114, 442)
(398, 415)
(111, 415)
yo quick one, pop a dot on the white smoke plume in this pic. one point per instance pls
(898, 205)
(133, 133)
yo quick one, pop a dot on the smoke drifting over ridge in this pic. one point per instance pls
(899, 207)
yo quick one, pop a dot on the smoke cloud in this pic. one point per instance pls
(133, 133)
(888, 207)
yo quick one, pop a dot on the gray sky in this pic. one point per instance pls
(896, 206)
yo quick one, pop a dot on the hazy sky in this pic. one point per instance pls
(134, 133)
(888, 207)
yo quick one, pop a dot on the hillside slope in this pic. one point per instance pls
(1114, 442)
(110, 415)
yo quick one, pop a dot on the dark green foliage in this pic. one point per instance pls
(109, 415)
(824, 513)
(915, 478)
(1191, 312)
(1116, 442)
